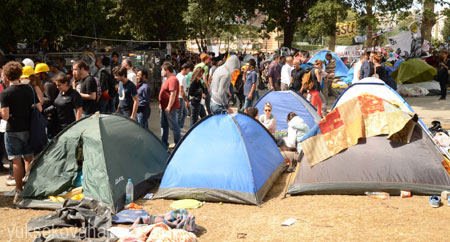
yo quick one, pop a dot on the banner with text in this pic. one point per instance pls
(346, 29)
(348, 51)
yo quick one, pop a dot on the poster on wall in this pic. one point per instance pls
(348, 51)
(346, 29)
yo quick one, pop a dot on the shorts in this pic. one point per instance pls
(17, 145)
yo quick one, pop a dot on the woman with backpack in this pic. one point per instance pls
(197, 93)
(316, 77)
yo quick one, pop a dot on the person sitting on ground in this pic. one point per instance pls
(267, 119)
(291, 147)
(252, 112)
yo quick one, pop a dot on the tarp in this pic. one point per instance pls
(360, 117)
(284, 102)
(414, 71)
(341, 68)
(223, 158)
(375, 163)
(108, 149)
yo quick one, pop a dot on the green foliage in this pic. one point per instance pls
(324, 15)
(154, 19)
(32, 21)
(446, 30)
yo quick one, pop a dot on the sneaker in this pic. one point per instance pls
(435, 201)
(17, 196)
(10, 182)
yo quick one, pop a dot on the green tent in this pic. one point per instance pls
(108, 149)
(414, 71)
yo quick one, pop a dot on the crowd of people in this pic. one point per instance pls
(195, 86)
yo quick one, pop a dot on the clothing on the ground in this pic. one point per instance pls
(88, 85)
(19, 100)
(171, 84)
(270, 123)
(66, 105)
(126, 93)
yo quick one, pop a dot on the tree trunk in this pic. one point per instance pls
(332, 42)
(428, 19)
(288, 32)
(198, 45)
(369, 25)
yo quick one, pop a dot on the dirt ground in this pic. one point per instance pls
(319, 218)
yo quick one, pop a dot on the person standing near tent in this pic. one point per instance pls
(128, 96)
(442, 76)
(220, 86)
(296, 76)
(204, 58)
(250, 80)
(286, 74)
(316, 76)
(16, 106)
(197, 92)
(357, 68)
(273, 74)
(87, 85)
(367, 69)
(184, 101)
(130, 73)
(67, 101)
(144, 94)
(169, 105)
(330, 69)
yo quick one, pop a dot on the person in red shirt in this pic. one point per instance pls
(169, 105)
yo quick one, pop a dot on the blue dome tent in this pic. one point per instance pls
(341, 68)
(284, 102)
(223, 158)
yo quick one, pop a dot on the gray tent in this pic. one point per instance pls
(377, 164)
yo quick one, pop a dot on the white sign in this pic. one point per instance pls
(407, 43)
(349, 51)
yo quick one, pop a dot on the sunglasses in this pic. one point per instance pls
(267, 110)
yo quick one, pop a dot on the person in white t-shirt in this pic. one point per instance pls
(286, 71)
(130, 73)
(184, 102)
(357, 68)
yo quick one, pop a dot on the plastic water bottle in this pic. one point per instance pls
(379, 195)
(129, 192)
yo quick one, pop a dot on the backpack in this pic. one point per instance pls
(107, 84)
(307, 79)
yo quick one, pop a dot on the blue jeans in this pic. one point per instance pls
(169, 120)
(106, 106)
(182, 113)
(248, 103)
(142, 116)
(218, 109)
(197, 109)
(18, 145)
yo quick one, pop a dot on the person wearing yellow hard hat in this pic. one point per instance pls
(27, 71)
(50, 93)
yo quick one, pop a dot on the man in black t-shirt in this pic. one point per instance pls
(128, 98)
(296, 76)
(16, 103)
(88, 87)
